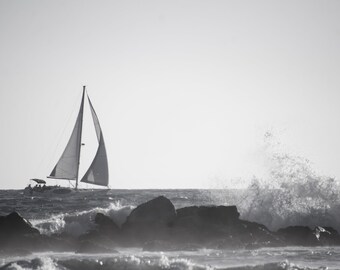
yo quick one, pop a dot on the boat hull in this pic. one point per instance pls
(48, 190)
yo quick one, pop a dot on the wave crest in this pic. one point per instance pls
(79, 222)
(292, 193)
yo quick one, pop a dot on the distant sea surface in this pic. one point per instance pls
(74, 213)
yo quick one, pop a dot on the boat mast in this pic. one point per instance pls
(80, 133)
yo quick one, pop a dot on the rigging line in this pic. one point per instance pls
(61, 135)
(70, 184)
(67, 124)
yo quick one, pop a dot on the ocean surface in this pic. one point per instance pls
(275, 208)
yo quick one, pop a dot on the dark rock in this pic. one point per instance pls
(220, 227)
(105, 224)
(106, 232)
(16, 233)
(298, 236)
(255, 234)
(14, 224)
(204, 224)
(159, 210)
(211, 214)
(305, 236)
(150, 221)
(327, 236)
(240, 234)
(156, 224)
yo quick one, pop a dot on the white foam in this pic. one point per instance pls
(291, 193)
(79, 222)
(47, 264)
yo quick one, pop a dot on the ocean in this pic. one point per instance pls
(74, 213)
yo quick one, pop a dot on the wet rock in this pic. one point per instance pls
(16, 233)
(298, 236)
(106, 225)
(106, 233)
(210, 214)
(203, 224)
(326, 236)
(254, 234)
(305, 236)
(150, 221)
(14, 224)
(159, 210)
(219, 227)
(156, 223)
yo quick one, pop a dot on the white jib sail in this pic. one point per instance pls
(97, 173)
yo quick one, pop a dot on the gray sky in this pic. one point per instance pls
(184, 90)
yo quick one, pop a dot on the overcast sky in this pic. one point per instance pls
(184, 90)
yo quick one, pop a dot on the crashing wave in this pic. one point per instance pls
(77, 223)
(291, 193)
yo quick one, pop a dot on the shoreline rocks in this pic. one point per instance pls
(157, 225)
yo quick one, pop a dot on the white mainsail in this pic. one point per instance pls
(68, 165)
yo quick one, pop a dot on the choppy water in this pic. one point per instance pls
(268, 259)
(74, 214)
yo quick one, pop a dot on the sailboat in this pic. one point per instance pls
(67, 167)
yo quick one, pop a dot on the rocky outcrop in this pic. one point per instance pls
(157, 225)
(219, 226)
(106, 225)
(305, 236)
(204, 224)
(17, 235)
(150, 221)
(159, 211)
(297, 236)
(102, 238)
(327, 236)
(14, 224)
(211, 214)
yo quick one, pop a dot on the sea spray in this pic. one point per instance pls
(309, 201)
(291, 193)
(77, 223)
(41, 263)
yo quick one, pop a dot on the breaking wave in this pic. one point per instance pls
(292, 193)
(77, 223)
